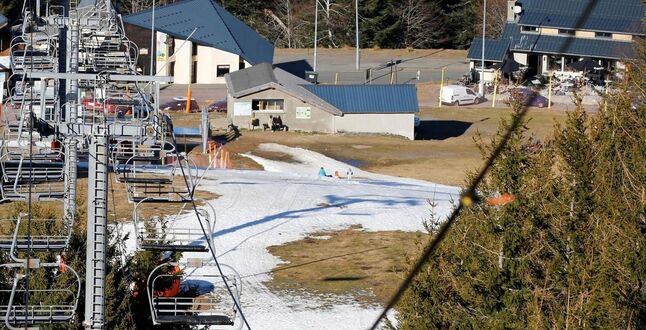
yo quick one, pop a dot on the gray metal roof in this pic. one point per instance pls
(264, 76)
(495, 49)
(567, 45)
(533, 42)
(369, 98)
(594, 15)
(216, 28)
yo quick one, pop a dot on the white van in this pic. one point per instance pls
(459, 95)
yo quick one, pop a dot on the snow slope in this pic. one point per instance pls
(286, 202)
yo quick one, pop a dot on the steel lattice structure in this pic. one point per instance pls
(75, 96)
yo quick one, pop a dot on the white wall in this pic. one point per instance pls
(183, 62)
(208, 60)
(394, 124)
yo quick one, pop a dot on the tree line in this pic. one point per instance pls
(382, 23)
(567, 247)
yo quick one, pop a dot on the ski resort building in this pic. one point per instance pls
(548, 35)
(258, 94)
(196, 41)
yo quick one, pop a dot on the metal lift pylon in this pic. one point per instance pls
(96, 232)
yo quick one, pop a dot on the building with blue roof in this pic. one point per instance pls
(261, 93)
(198, 41)
(548, 35)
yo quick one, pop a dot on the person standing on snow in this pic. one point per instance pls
(349, 174)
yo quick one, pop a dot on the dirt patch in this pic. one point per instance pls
(275, 155)
(444, 154)
(367, 265)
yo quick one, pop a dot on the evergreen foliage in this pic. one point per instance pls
(569, 251)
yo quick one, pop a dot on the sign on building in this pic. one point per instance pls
(303, 113)
(242, 109)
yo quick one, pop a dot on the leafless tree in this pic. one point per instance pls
(286, 25)
(333, 16)
(421, 22)
(496, 17)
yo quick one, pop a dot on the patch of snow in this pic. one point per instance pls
(288, 202)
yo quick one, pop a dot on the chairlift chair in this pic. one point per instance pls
(203, 298)
(155, 184)
(174, 238)
(55, 234)
(16, 315)
(44, 170)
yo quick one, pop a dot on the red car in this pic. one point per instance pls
(179, 104)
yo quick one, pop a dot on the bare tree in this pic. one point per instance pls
(422, 23)
(335, 16)
(285, 23)
(496, 17)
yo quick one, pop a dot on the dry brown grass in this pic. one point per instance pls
(119, 208)
(368, 265)
(438, 160)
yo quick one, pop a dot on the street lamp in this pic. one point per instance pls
(356, 25)
(484, 24)
(316, 29)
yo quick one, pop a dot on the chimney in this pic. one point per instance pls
(510, 10)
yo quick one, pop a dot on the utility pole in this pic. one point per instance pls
(356, 24)
(484, 26)
(152, 41)
(316, 29)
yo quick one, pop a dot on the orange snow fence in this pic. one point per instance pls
(503, 199)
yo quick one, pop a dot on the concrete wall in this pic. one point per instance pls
(394, 124)
(520, 58)
(622, 37)
(183, 62)
(320, 120)
(207, 58)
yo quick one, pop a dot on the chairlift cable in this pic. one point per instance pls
(31, 180)
(207, 237)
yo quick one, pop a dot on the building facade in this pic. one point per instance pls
(258, 94)
(548, 35)
(197, 41)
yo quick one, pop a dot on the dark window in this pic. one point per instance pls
(529, 28)
(193, 49)
(194, 73)
(603, 35)
(222, 70)
(267, 104)
(566, 32)
(240, 64)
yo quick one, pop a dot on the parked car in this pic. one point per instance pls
(529, 97)
(218, 106)
(179, 104)
(459, 95)
(112, 105)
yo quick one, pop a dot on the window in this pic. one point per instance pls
(470, 92)
(241, 64)
(529, 28)
(603, 35)
(222, 70)
(566, 32)
(267, 104)
(193, 49)
(194, 73)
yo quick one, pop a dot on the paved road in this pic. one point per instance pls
(340, 66)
